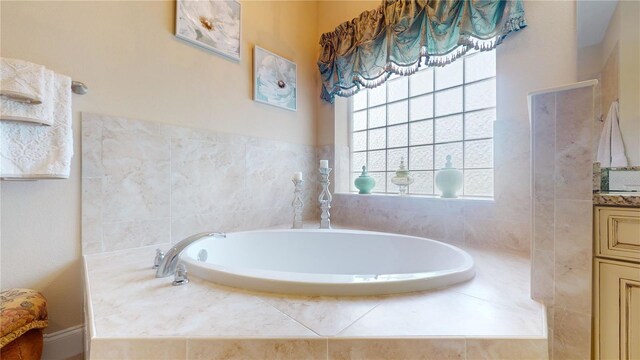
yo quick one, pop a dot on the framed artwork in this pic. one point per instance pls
(275, 80)
(210, 24)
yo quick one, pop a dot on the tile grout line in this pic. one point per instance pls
(505, 304)
(170, 189)
(327, 348)
(358, 319)
(289, 316)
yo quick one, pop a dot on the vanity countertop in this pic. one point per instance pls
(626, 199)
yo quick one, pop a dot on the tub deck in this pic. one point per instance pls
(131, 314)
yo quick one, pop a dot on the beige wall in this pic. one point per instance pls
(621, 44)
(126, 53)
(630, 79)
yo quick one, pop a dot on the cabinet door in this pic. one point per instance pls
(617, 310)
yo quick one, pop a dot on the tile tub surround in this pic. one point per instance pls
(132, 314)
(147, 183)
(562, 130)
(481, 222)
(502, 221)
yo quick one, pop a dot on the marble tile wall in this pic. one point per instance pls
(146, 183)
(562, 130)
(322, 349)
(501, 222)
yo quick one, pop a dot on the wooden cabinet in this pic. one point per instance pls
(617, 283)
(617, 233)
(617, 304)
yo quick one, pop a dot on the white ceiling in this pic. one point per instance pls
(593, 20)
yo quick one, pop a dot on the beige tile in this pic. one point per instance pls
(573, 288)
(544, 187)
(131, 234)
(205, 310)
(219, 222)
(122, 125)
(141, 194)
(573, 258)
(206, 177)
(542, 277)
(91, 247)
(91, 211)
(507, 349)
(91, 146)
(326, 316)
(497, 271)
(258, 349)
(408, 349)
(573, 233)
(544, 133)
(125, 151)
(445, 314)
(543, 224)
(572, 335)
(498, 233)
(573, 162)
(142, 349)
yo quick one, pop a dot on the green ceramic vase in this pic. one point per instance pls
(449, 180)
(364, 182)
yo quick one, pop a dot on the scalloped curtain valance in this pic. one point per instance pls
(401, 35)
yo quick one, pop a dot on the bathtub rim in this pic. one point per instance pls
(299, 283)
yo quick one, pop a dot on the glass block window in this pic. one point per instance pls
(423, 118)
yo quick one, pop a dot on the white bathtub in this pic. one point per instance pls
(327, 262)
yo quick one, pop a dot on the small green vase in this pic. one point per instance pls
(364, 182)
(449, 180)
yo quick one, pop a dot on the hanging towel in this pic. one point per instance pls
(22, 81)
(43, 114)
(37, 152)
(611, 148)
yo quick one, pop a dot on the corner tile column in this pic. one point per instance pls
(562, 132)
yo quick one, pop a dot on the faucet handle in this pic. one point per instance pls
(158, 259)
(180, 278)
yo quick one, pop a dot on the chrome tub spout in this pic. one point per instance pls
(169, 262)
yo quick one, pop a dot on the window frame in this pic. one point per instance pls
(354, 173)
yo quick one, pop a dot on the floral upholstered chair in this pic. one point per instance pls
(23, 315)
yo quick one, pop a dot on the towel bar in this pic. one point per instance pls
(79, 88)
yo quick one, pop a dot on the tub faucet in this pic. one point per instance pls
(169, 262)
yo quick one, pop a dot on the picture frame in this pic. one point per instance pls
(275, 80)
(214, 25)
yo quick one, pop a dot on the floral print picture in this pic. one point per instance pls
(211, 24)
(275, 79)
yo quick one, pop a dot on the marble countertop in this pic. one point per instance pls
(627, 199)
(128, 307)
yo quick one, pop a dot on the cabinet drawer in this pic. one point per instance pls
(617, 233)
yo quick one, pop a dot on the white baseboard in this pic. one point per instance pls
(63, 344)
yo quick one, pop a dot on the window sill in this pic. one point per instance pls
(414, 197)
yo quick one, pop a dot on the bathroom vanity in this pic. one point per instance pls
(616, 276)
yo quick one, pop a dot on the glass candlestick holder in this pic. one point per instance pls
(325, 199)
(297, 204)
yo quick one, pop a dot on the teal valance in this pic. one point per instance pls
(401, 35)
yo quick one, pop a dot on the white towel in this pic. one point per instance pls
(611, 147)
(33, 113)
(22, 81)
(36, 152)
